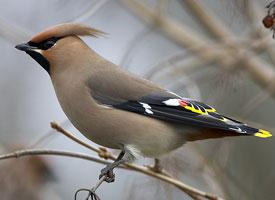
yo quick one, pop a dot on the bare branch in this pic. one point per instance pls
(32, 152)
(144, 170)
(259, 70)
(58, 128)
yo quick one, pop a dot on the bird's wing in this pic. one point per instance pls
(187, 111)
(144, 98)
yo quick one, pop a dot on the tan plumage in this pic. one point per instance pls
(104, 125)
(69, 29)
(117, 109)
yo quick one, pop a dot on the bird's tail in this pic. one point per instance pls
(247, 130)
(237, 130)
(263, 133)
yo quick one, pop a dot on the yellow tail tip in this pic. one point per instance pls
(263, 134)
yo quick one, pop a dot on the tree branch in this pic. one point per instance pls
(33, 152)
(144, 170)
(103, 153)
(60, 129)
(162, 175)
(260, 71)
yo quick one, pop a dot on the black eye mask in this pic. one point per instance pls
(44, 45)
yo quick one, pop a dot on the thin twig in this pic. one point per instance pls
(32, 152)
(164, 176)
(182, 186)
(60, 129)
(210, 22)
(161, 176)
(259, 70)
(91, 192)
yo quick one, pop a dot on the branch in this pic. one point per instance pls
(164, 176)
(191, 191)
(259, 70)
(144, 170)
(32, 152)
(210, 22)
(58, 128)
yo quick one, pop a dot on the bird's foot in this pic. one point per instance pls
(156, 167)
(108, 173)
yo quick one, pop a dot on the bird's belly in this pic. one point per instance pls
(117, 129)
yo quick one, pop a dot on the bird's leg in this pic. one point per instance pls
(157, 166)
(108, 170)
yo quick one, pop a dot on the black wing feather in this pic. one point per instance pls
(202, 115)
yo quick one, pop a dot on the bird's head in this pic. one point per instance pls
(57, 43)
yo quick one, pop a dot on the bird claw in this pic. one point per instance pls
(109, 175)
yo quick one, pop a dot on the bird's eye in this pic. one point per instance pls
(48, 44)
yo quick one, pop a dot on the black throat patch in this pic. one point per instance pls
(40, 59)
(43, 45)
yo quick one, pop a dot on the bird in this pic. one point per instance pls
(117, 109)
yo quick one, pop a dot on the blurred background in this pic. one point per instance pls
(215, 51)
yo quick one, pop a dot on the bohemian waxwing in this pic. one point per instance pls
(118, 110)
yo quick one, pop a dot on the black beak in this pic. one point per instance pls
(36, 55)
(24, 47)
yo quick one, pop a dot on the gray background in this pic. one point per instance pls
(235, 168)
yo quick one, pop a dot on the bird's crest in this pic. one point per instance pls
(67, 29)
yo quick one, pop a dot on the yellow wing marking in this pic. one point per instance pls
(201, 112)
(193, 109)
(263, 134)
(211, 110)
